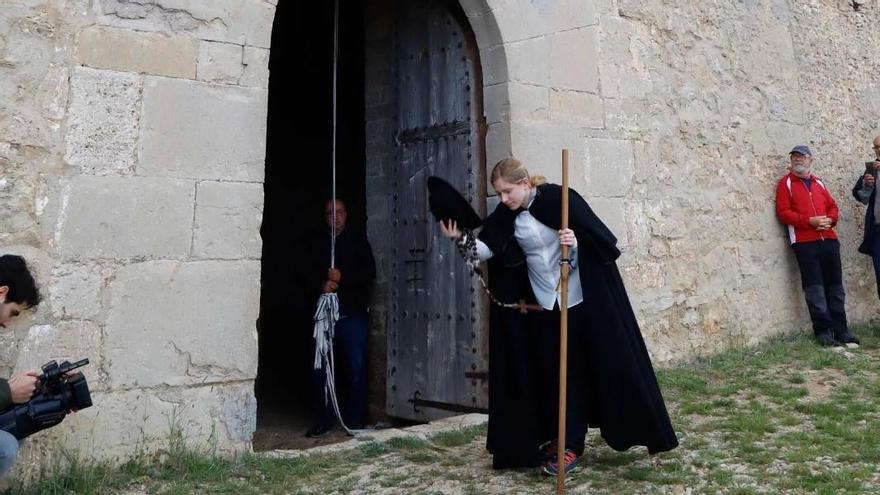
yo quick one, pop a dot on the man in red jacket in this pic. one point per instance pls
(806, 207)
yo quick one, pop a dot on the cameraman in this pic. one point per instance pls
(866, 193)
(18, 292)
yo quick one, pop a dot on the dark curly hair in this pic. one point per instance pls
(14, 274)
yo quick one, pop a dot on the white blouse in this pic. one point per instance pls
(541, 246)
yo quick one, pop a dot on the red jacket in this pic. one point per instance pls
(795, 204)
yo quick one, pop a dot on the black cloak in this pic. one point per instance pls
(622, 395)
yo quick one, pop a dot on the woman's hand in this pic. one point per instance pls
(567, 238)
(450, 230)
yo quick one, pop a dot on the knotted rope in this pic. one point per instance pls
(327, 313)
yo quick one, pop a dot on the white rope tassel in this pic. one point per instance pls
(326, 317)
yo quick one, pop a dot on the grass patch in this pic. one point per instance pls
(788, 417)
(457, 438)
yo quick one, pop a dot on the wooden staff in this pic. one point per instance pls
(564, 268)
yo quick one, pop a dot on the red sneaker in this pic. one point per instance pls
(551, 467)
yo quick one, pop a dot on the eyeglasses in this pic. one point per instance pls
(876, 146)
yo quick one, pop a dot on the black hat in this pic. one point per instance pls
(448, 204)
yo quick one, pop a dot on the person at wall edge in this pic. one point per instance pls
(18, 293)
(805, 206)
(865, 191)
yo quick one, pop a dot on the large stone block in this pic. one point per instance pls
(53, 92)
(628, 116)
(131, 51)
(514, 101)
(574, 60)
(622, 66)
(256, 67)
(122, 424)
(486, 30)
(250, 23)
(496, 103)
(196, 130)
(244, 22)
(220, 62)
(539, 145)
(498, 145)
(114, 217)
(528, 102)
(577, 108)
(103, 120)
(75, 290)
(70, 340)
(228, 218)
(529, 61)
(18, 224)
(609, 167)
(611, 212)
(211, 336)
(494, 64)
(523, 20)
(475, 7)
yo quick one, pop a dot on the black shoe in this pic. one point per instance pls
(825, 339)
(548, 451)
(317, 431)
(846, 337)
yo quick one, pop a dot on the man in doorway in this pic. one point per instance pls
(18, 293)
(351, 279)
(866, 192)
(806, 207)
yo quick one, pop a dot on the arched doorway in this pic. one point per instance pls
(297, 182)
(410, 106)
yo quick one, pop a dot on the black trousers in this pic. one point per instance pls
(547, 354)
(822, 281)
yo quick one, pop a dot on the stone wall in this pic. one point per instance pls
(679, 119)
(132, 136)
(131, 168)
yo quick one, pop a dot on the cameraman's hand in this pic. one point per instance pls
(333, 274)
(22, 386)
(330, 286)
(868, 181)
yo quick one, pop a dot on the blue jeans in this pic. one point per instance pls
(350, 352)
(875, 254)
(8, 452)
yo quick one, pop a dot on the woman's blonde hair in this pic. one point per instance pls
(513, 171)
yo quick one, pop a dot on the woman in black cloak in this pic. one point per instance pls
(611, 383)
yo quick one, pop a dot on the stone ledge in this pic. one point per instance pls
(422, 432)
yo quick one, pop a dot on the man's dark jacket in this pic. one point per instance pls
(623, 398)
(868, 237)
(5, 394)
(354, 259)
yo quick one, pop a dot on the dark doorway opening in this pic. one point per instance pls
(298, 179)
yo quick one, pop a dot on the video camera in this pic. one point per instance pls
(57, 394)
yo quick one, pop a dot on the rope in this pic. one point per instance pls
(333, 153)
(327, 313)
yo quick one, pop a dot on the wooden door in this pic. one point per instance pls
(437, 343)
